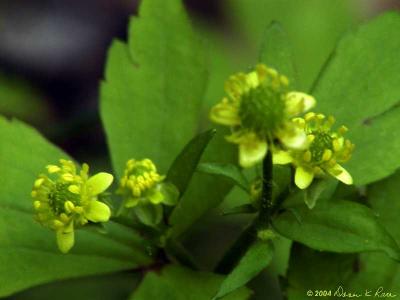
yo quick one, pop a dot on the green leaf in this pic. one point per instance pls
(377, 270)
(107, 287)
(154, 86)
(320, 188)
(360, 87)
(257, 258)
(204, 192)
(313, 27)
(314, 270)
(28, 252)
(280, 261)
(229, 171)
(369, 272)
(182, 169)
(149, 214)
(276, 52)
(337, 226)
(241, 209)
(178, 283)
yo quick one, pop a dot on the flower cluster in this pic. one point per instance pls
(258, 108)
(264, 115)
(65, 199)
(325, 151)
(144, 189)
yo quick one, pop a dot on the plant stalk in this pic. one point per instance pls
(249, 235)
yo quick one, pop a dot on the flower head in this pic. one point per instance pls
(142, 184)
(325, 150)
(258, 108)
(65, 199)
(145, 190)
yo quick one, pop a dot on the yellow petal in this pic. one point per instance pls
(341, 174)
(293, 137)
(252, 79)
(281, 158)
(65, 238)
(225, 113)
(98, 212)
(99, 182)
(251, 151)
(298, 103)
(303, 177)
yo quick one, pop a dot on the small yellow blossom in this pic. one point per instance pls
(325, 150)
(142, 183)
(258, 108)
(66, 199)
(145, 190)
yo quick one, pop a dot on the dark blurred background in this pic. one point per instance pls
(52, 56)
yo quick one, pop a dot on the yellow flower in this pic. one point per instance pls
(142, 184)
(66, 199)
(144, 190)
(258, 108)
(325, 150)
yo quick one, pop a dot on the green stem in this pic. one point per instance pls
(239, 248)
(249, 235)
(266, 194)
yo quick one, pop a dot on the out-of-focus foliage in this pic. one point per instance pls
(313, 28)
(178, 283)
(116, 286)
(20, 99)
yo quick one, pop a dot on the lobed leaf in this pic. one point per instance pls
(154, 86)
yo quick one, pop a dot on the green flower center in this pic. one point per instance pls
(321, 142)
(138, 171)
(58, 195)
(262, 109)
